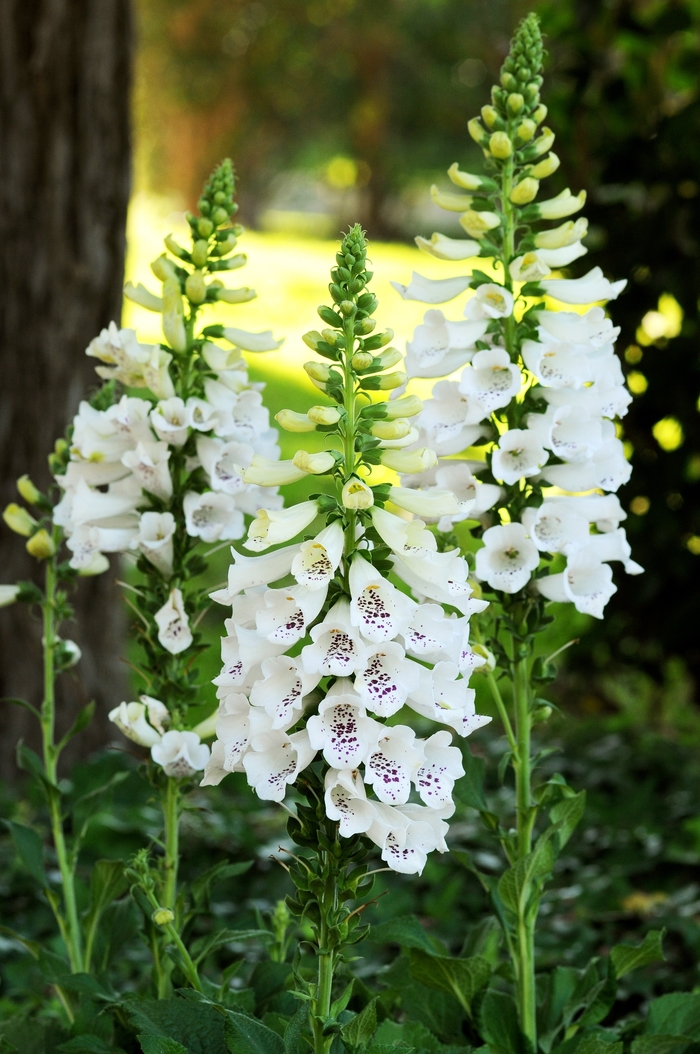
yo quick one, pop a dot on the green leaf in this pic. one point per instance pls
(407, 932)
(462, 978)
(33, 947)
(81, 722)
(197, 1025)
(626, 957)
(515, 884)
(245, 1035)
(566, 815)
(499, 1024)
(30, 850)
(160, 1045)
(294, 1029)
(217, 873)
(88, 1043)
(340, 1004)
(358, 1032)
(675, 1014)
(204, 946)
(107, 883)
(464, 858)
(658, 1044)
(598, 1044)
(26, 706)
(470, 788)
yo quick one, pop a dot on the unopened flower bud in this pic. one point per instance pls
(500, 145)
(28, 491)
(489, 664)
(365, 326)
(97, 566)
(315, 464)
(408, 406)
(163, 916)
(541, 713)
(566, 234)
(357, 495)
(312, 338)
(362, 360)
(539, 114)
(545, 167)
(174, 247)
(395, 429)
(195, 288)
(409, 460)
(41, 545)
(324, 415)
(478, 224)
(478, 132)
(292, 421)
(173, 315)
(526, 130)
(465, 180)
(205, 227)
(163, 268)
(219, 216)
(19, 520)
(317, 371)
(525, 191)
(515, 103)
(508, 81)
(331, 336)
(200, 252)
(66, 654)
(542, 144)
(347, 308)
(489, 115)
(384, 383)
(233, 296)
(388, 358)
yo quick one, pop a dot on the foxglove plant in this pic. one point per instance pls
(162, 476)
(539, 391)
(325, 646)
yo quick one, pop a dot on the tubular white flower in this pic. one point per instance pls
(604, 510)
(241, 338)
(149, 464)
(442, 765)
(341, 729)
(587, 583)
(212, 516)
(266, 473)
(519, 455)
(173, 624)
(288, 613)
(439, 346)
(171, 421)
(141, 722)
(273, 527)
(338, 649)
(490, 300)
(346, 802)
(155, 540)
(8, 595)
(559, 237)
(315, 562)
(357, 494)
(247, 572)
(594, 328)
(386, 681)
(607, 469)
(508, 557)
(432, 290)
(556, 528)
(378, 608)
(591, 287)
(557, 365)
(446, 697)
(409, 460)
(138, 294)
(402, 535)
(180, 754)
(491, 379)
(451, 421)
(613, 546)
(407, 833)
(444, 248)
(224, 463)
(430, 503)
(393, 764)
(529, 267)
(564, 204)
(281, 689)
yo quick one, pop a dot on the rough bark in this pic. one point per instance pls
(65, 72)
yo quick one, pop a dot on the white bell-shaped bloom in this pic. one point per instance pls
(212, 516)
(316, 561)
(529, 267)
(281, 689)
(287, 613)
(490, 301)
(508, 557)
(171, 421)
(105, 435)
(149, 464)
(273, 527)
(346, 801)
(519, 454)
(224, 463)
(141, 722)
(594, 328)
(430, 633)
(155, 540)
(174, 631)
(607, 469)
(439, 347)
(442, 765)
(586, 582)
(438, 576)
(387, 679)
(446, 697)
(432, 290)
(474, 497)
(247, 572)
(613, 546)
(604, 510)
(90, 506)
(492, 379)
(556, 528)
(450, 420)
(203, 416)
(338, 649)
(557, 365)
(403, 536)
(180, 754)
(241, 652)
(431, 503)
(406, 834)
(586, 290)
(393, 764)
(570, 432)
(253, 499)
(377, 608)
(341, 729)
(274, 760)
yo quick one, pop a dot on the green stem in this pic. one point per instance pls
(70, 925)
(525, 964)
(171, 818)
(321, 1006)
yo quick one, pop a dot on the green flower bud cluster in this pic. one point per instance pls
(216, 201)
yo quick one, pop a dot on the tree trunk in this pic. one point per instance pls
(65, 74)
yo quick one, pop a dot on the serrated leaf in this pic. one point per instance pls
(658, 1044)
(462, 978)
(197, 1025)
(470, 788)
(626, 957)
(358, 1032)
(294, 1029)
(245, 1035)
(30, 850)
(498, 1018)
(675, 1014)
(566, 815)
(598, 1044)
(407, 932)
(160, 1045)
(88, 1043)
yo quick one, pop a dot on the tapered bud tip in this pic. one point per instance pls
(324, 415)
(361, 360)
(216, 200)
(163, 917)
(19, 520)
(500, 145)
(28, 491)
(41, 545)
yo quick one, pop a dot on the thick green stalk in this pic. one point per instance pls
(525, 965)
(70, 924)
(326, 961)
(171, 818)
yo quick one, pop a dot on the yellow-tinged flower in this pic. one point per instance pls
(566, 234)
(489, 115)
(357, 495)
(19, 520)
(163, 917)
(525, 191)
(465, 180)
(266, 473)
(545, 167)
(543, 143)
(408, 406)
(478, 224)
(163, 268)
(292, 421)
(361, 360)
(195, 287)
(500, 145)
(314, 464)
(515, 103)
(173, 315)
(526, 130)
(563, 205)
(396, 429)
(200, 252)
(41, 545)
(409, 460)
(174, 247)
(478, 132)
(540, 114)
(317, 371)
(28, 491)
(233, 296)
(450, 202)
(324, 415)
